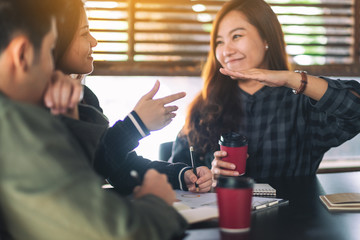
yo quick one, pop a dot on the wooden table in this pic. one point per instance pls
(303, 218)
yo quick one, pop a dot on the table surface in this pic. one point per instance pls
(303, 218)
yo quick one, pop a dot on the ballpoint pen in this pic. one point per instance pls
(193, 166)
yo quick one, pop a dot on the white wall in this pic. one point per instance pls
(119, 95)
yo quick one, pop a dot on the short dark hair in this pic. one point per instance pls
(29, 17)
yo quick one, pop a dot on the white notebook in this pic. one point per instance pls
(196, 207)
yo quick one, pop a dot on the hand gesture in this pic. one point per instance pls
(156, 184)
(204, 181)
(269, 78)
(63, 95)
(220, 167)
(153, 112)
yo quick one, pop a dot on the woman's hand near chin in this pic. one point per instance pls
(270, 78)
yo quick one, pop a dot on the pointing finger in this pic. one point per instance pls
(172, 98)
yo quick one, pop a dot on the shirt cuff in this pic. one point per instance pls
(181, 178)
(138, 123)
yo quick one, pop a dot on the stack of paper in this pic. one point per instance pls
(342, 201)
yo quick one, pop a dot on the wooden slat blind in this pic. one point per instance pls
(165, 37)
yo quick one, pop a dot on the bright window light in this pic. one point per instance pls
(110, 57)
(108, 14)
(297, 10)
(309, 60)
(111, 36)
(295, 50)
(102, 4)
(204, 17)
(199, 8)
(113, 25)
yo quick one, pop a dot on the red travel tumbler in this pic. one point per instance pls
(236, 146)
(234, 195)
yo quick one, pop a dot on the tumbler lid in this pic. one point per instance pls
(233, 139)
(235, 182)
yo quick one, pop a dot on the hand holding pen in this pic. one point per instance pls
(194, 167)
(202, 180)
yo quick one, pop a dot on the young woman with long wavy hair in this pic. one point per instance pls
(249, 88)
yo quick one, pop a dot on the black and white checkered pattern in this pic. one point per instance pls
(289, 134)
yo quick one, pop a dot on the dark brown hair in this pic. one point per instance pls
(217, 108)
(67, 29)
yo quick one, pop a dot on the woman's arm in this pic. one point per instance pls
(315, 87)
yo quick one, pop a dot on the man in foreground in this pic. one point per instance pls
(47, 187)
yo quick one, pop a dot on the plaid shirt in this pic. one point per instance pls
(289, 134)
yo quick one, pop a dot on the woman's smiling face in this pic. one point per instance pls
(238, 43)
(78, 59)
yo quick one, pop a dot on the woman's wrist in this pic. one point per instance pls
(294, 81)
(303, 82)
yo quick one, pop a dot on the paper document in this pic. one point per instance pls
(195, 207)
(195, 215)
(195, 200)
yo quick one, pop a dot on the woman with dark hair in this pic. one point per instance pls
(248, 88)
(114, 157)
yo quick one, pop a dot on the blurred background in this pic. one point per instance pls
(141, 41)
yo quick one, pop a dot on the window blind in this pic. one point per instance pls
(165, 37)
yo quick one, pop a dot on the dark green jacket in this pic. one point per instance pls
(48, 189)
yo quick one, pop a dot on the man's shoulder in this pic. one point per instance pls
(23, 113)
(22, 120)
(30, 131)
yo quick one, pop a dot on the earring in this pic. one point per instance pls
(267, 47)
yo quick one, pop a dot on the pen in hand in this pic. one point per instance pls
(193, 166)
